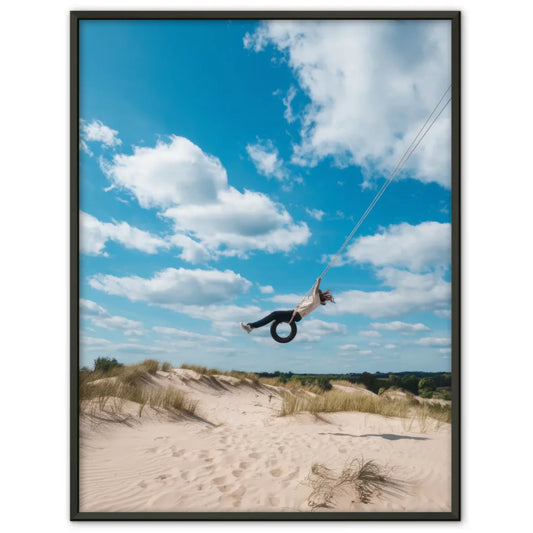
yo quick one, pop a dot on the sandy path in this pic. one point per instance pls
(243, 457)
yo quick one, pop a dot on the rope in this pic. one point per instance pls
(401, 163)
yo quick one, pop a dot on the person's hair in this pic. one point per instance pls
(325, 296)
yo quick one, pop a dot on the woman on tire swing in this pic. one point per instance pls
(308, 304)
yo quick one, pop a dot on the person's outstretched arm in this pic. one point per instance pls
(317, 286)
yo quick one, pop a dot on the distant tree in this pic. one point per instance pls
(427, 384)
(410, 383)
(369, 381)
(105, 364)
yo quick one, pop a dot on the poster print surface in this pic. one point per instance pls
(266, 252)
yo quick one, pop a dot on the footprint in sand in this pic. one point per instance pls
(243, 465)
(293, 474)
(178, 453)
(272, 500)
(185, 476)
(220, 483)
(275, 472)
(253, 455)
(342, 450)
(142, 484)
(236, 473)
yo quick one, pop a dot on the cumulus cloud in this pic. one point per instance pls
(190, 188)
(96, 131)
(348, 347)
(433, 341)
(94, 235)
(173, 287)
(396, 325)
(410, 292)
(265, 157)
(417, 247)
(390, 346)
(266, 289)
(370, 85)
(370, 333)
(315, 213)
(173, 172)
(100, 317)
(313, 330)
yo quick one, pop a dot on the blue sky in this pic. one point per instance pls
(223, 163)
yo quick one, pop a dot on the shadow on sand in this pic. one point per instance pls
(388, 436)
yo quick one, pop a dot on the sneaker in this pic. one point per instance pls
(246, 327)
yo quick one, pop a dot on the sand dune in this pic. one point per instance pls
(237, 454)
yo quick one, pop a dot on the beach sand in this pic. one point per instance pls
(237, 455)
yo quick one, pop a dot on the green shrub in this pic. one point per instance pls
(105, 364)
(324, 383)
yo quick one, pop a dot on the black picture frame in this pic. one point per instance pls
(455, 18)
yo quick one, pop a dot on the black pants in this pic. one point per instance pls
(282, 316)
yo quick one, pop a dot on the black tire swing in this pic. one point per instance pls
(278, 338)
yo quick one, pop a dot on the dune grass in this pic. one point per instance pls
(241, 376)
(360, 480)
(338, 401)
(99, 391)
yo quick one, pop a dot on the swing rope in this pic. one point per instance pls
(422, 132)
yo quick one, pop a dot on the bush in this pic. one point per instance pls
(369, 381)
(323, 383)
(105, 364)
(410, 383)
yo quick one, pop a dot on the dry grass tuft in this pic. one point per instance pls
(359, 479)
(109, 391)
(243, 377)
(337, 401)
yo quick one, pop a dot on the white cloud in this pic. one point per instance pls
(443, 313)
(315, 213)
(180, 333)
(374, 344)
(287, 102)
(175, 288)
(348, 347)
(94, 235)
(171, 173)
(210, 218)
(312, 330)
(365, 352)
(445, 350)
(370, 85)
(397, 325)
(415, 247)
(100, 317)
(370, 333)
(410, 293)
(390, 346)
(265, 157)
(240, 222)
(96, 131)
(433, 341)
(266, 289)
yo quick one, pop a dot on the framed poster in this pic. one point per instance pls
(265, 265)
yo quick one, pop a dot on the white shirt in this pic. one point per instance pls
(309, 303)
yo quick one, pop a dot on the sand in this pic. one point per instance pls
(238, 455)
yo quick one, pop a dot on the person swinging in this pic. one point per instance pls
(306, 306)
